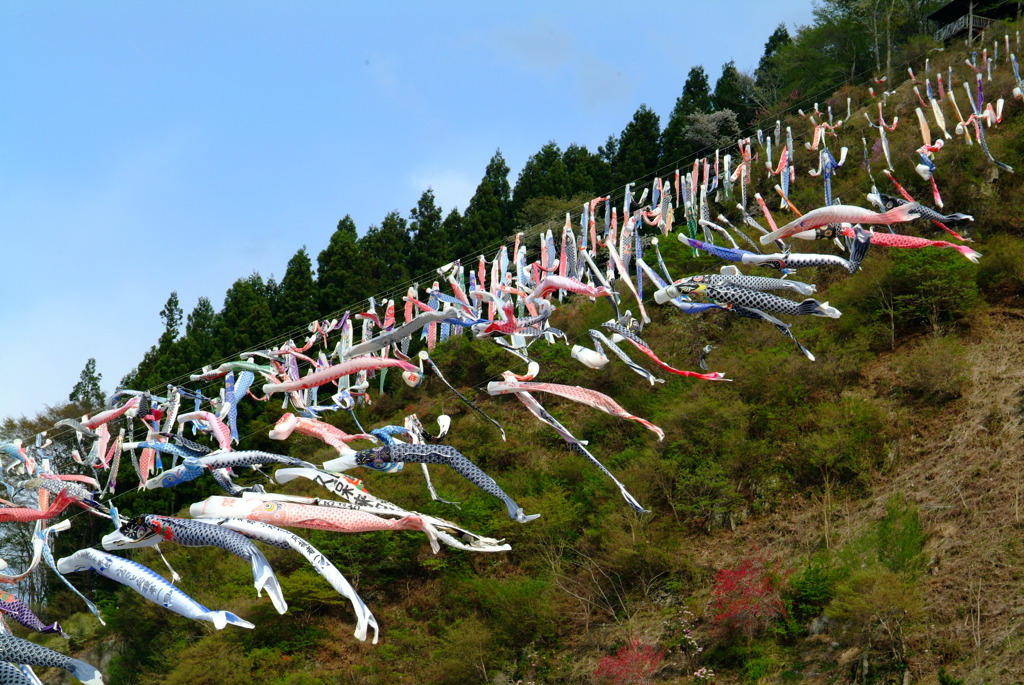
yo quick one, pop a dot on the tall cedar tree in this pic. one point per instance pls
(297, 296)
(735, 91)
(543, 175)
(164, 360)
(171, 315)
(200, 344)
(334, 264)
(767, 78)
(676, 150)
(488, 217)
(638, 152)
(585, 171)
(384, 253)
(450, 227)
(430, 247)
(246, 321)
(168, 362)
(86, 392)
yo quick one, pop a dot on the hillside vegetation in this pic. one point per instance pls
(853, 519)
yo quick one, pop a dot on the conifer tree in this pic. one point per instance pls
(639, 148)
(451, 228)
(586, 172)
(430, 248)
(200, 344)
(165, 360)
(696, 96)
(384, 252)
(86, 392)
(334, 264)
(735, 91)
(487, 216)
(171, 315)
(767, 76)
(543, 175)
(246, 320)
(297, 299)
(676, 149)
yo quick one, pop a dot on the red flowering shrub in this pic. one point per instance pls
(748, 598)
(632, 663)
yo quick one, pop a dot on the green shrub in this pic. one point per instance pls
(812, 589)
(930, 288)
(213, 661)
(518, 609)
(901, 537)
(946, 679)
(704, 494)
(465, 652)
(935, 373)
(879, 606)
(1000, 275)
(843, 441)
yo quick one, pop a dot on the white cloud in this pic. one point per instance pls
(553, 52)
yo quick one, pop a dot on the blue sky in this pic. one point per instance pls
(151, 147)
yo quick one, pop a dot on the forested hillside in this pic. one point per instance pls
(855, 518)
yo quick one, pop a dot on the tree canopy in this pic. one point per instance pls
(87, 392)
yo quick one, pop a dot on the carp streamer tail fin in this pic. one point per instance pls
(264, 578)
(220, 619)
(87, 673)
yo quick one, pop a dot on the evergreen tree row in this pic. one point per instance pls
(847, 39)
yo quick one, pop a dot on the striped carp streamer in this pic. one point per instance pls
(17, 651)
(786, 262)
(14, 608)
(149, 530)
(448, 456)
(639, 344)
(148, 584)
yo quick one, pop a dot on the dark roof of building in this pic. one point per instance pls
(994, 9)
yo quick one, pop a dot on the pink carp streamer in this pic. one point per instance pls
(27, 514)
(109, 415)
(842, 214)
(591, 398)
(291, 515)
(574, 443)
(325, 432)
(913, 243)
(337, 371)
(552, 284)
(220, 431)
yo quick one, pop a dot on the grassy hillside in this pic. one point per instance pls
(868, 504)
